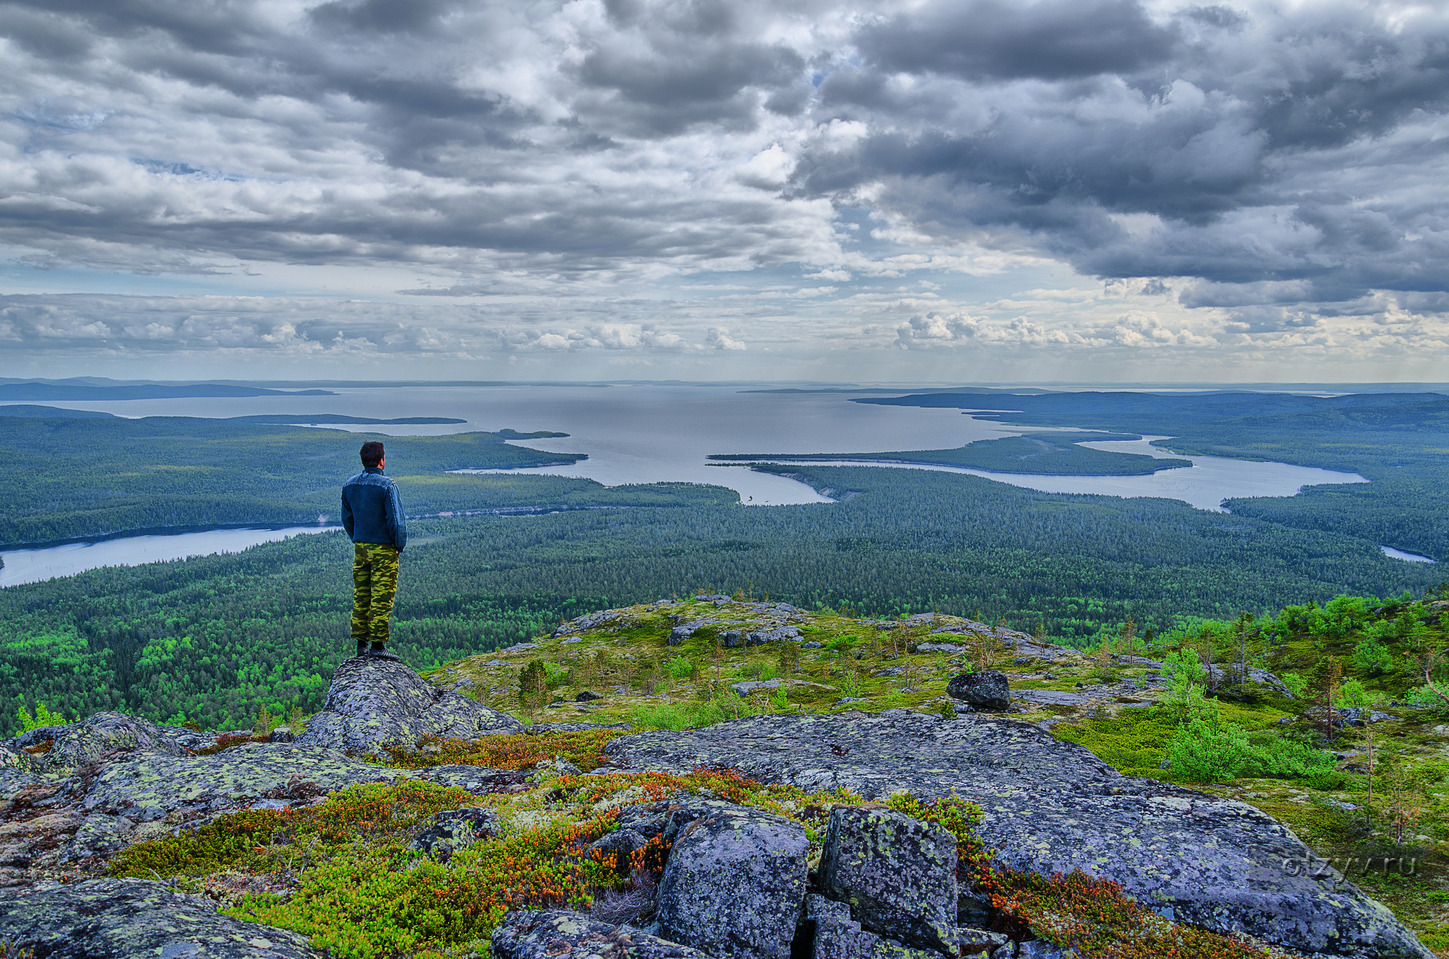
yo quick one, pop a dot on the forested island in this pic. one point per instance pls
(1040, 453)
(76, 474)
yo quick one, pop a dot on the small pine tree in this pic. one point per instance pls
(788, 657)
(532, 684)
(1128, 645)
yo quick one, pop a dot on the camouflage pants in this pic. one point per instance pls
(374, 582)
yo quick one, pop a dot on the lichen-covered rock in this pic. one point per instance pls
(833, 934)
(1041, 949)
(106, 735)
(378, 704)
(454, 830)
(538, 729)
(733, 884)
(739, 638)
(986, 690)
(150, 787)
(897, 873)
(1052, 806)
(125, 918)
(748, 688)
(555, 934)
(475, 779)
(684, 631)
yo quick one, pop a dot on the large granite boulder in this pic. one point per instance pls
(734, 883)
(986, 691)
(125, 918)
(897, 874)
(557, 934)
(1051, 806)
(377, 704)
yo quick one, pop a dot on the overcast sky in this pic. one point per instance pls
(932, 191)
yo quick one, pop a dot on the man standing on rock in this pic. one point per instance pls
(372, 514)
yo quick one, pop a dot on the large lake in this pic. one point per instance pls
(53, 562)
(664, 433)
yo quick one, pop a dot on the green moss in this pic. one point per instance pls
(1133, 741)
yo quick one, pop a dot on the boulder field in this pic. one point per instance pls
(737, 883)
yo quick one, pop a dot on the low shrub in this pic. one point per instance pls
(584, 749)
(1208, 748)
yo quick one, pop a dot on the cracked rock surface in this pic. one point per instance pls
(124, 918)
(1052, 806)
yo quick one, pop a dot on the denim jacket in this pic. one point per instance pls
(372, 511)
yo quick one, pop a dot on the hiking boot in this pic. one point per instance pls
(362, 647)
(382, 652)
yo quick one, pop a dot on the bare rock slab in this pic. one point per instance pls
(1051, 806)
(377, 704)
(734, 883)
(124, 918)
(897, 874)
(558, 934)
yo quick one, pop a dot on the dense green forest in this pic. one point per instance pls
(1042, 454)
(215, 638)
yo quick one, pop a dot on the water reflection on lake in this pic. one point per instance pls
(646, 433)
(35, 565)
(1392, 553)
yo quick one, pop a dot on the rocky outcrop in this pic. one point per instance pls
(378, 704)
(105, 735)
(733, 884)
(740, 638)
(125, 918)
(985, 691)
(96, 786)
(1050, 807)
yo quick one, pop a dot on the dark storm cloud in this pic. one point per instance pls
(1283, 160)
(384, 16)
(685, 68)
(1200, 145)
(1051, 40)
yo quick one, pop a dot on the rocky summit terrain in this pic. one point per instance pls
(410, 819)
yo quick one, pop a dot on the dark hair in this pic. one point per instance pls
(371, 453)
